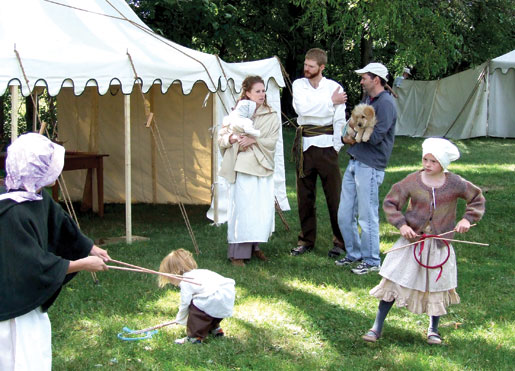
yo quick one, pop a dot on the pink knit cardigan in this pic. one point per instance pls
(421, 211)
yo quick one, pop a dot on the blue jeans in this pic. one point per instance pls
(359, 203)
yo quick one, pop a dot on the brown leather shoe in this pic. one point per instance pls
(238, 262)
(260, 255)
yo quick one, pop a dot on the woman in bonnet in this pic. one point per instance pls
(41, 249)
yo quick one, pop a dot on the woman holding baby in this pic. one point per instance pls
(250, 170)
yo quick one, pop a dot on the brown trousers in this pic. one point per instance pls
(323, 163)
(200, 323)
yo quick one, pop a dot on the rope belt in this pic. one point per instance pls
(297, 150)
(440, 265)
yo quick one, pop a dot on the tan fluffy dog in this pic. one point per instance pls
(361, 123)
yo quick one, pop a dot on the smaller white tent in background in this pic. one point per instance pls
(501, 103)
(473, 103)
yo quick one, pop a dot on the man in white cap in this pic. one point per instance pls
(364, 174)
(406, 73)
(41, 249)
(320, 106)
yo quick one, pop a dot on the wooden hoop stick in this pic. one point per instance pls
(136, 268)
(401, 247)
(441, 234)
(461, 241)
(125, 269)
(153, 327)
(169, 275)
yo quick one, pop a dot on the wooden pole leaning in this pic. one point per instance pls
(281, 215)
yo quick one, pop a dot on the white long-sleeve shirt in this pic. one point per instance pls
(315, 107)
(214, 296)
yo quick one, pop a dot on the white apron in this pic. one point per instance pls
(26, 342)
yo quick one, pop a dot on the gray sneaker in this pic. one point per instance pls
(365, 268)
(344, 262)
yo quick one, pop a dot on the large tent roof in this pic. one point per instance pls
(96, 43)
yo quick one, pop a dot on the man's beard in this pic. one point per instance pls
(309, 75)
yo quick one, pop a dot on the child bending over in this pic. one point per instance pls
(408, 279)
(203, 306)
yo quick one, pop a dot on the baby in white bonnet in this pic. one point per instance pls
(239, 121)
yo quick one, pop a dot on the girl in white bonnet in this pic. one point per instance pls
(408, 279)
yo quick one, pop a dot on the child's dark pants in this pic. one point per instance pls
(200, 323)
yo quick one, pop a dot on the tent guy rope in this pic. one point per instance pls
(152, 124)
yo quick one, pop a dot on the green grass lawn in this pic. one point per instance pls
(297, 312)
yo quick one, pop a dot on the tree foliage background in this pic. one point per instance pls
(434, 38)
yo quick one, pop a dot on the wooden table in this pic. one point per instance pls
(76, 161)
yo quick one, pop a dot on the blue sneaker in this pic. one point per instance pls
(344, 262)
(365, 268)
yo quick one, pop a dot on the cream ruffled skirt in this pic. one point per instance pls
(414, 287)
(418, 302)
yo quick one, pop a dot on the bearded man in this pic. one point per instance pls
(320, 106)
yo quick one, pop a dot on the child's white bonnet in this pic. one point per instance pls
(443, 150)
(245, 108)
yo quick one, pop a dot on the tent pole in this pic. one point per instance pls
(431, 109)
(15, 99)
(487, 80)
(214, 132)
(153, 146)
(128, 199)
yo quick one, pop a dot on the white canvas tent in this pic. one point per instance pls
(474, 103)
(88, 54)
